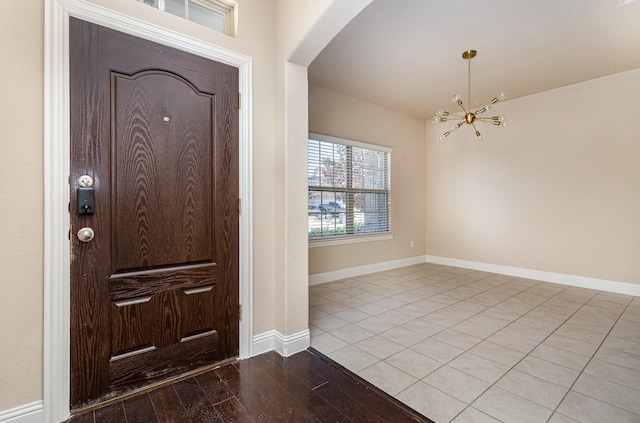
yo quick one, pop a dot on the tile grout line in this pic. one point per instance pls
(527, 354)
(445, 306)
(469, 318)
(468, 349)
(589, 361)
(456, 278)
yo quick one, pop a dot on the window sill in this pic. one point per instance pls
(328, 242)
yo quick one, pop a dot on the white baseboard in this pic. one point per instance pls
(572, 280)
(363, 270)
(263, 343)
(285, 345)
(28, 413)
(540, 275)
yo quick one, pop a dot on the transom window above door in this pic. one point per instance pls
(215, 14)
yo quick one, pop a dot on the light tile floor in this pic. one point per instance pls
(465, 346)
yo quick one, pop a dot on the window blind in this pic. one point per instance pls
(349, 187)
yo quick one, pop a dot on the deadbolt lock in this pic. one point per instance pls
(86, 203)
(85, 181)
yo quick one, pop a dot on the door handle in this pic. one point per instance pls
(86, 234)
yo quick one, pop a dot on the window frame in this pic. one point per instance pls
(322, 241)
(226, 8)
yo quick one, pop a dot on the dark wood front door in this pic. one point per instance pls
(155, 292)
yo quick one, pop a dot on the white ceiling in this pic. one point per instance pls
(407, 54)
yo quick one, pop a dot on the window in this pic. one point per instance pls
(349, 187)
(215, 14)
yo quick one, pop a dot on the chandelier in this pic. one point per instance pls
(469, 117)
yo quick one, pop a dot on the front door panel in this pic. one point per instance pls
(155, 292)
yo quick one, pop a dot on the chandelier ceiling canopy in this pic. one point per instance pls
(467, 116)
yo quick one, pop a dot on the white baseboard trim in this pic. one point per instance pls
(565, 279)
(285, 345)
(335, 275)
(262, 343)
(28, 413)
(572, 280)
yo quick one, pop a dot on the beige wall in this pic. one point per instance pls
(558, 190)
(21, 215)
(337, 115)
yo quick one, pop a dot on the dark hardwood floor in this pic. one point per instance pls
(306, 387)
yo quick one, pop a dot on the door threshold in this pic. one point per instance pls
(153, 386)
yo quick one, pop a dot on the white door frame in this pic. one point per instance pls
(57, 263)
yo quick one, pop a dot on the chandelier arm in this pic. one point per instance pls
(456, 126)
(482, 109)
(495, 120)
(478, 135)
(456, 114)
(462, 107)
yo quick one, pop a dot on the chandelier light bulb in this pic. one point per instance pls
(457, 98)
(502, 95)
(440, 113)
(436, 119)
(483, 109)
(441, 138)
